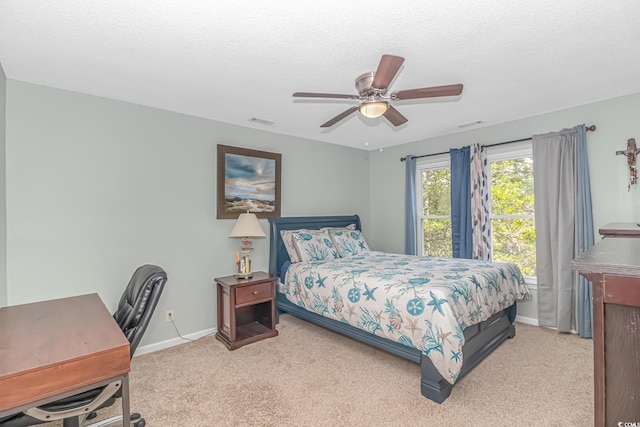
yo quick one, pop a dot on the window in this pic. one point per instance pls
(511, 208)
(513, 232)
(435, 216)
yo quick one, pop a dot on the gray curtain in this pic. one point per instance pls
(554, 177)
(410, 212)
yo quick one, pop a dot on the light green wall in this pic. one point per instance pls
(97, 187)
(3, 201)
(616, 121)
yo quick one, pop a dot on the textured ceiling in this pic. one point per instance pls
(231, 61)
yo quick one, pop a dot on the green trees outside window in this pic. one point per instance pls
(436, 223)
(512, 213)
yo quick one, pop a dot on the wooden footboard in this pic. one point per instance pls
(480, 341)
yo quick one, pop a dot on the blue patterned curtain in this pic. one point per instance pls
(481, 225)
(411, 212)
(585, 232)
(461, 202)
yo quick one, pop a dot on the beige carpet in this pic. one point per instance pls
(309, 376)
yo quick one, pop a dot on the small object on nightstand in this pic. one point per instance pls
(243, 266)
(246, 309)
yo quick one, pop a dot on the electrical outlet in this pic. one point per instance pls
(168, 315)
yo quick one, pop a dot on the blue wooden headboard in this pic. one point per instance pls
(278, 253)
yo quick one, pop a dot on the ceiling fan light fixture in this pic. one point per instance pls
(373, 109)
(372, 90)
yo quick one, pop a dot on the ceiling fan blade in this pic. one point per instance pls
(387, 69)
(428, 92)
(395, 117)
(339, 117)
(324, 95)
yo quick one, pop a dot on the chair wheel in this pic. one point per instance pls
(136, 420)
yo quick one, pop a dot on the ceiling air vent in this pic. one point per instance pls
(261, 121)
(466, 125)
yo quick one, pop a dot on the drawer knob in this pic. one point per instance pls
(255, 292)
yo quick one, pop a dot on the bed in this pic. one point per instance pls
(475, 340)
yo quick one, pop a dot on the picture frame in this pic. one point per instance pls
(248, 181)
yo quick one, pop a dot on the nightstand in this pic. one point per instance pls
(246, 309)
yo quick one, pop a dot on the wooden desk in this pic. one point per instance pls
(53, 349)
(613, 267)
(620, 229)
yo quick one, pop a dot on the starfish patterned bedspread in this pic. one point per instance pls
(421, 302)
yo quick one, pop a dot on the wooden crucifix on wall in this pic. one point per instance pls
(631, 152)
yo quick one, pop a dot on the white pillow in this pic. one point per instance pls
(349, 243)
(314, 245)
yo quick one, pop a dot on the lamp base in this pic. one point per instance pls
(243, 267)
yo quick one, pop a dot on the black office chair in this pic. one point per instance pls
(134, 312)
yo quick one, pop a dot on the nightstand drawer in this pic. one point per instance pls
(248, 294)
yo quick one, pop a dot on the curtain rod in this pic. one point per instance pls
(402, 159)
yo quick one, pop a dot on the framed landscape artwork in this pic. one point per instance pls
(248, 181)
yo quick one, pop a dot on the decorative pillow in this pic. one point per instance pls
(347, 228)
(314, 245)
(349, 243)
(287, 239)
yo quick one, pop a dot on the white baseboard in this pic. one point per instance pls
(150, 348)
(527, 320)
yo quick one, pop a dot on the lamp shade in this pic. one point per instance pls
(247, 225)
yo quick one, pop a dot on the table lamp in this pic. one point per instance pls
(246, 227)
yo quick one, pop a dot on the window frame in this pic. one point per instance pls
(443, 161)
(515, 152)
(440, 161)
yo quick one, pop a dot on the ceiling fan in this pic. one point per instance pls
(372, 92)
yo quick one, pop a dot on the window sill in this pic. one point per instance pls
(531, 282)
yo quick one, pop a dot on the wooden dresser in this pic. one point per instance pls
(613, 266)
(620, 229)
